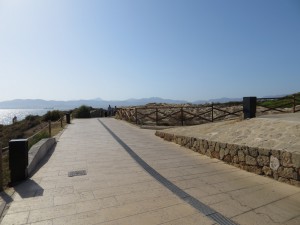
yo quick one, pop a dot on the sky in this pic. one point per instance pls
(176, 49)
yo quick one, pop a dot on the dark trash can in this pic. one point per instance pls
(249, 107)
(68, 118)
(18, 159)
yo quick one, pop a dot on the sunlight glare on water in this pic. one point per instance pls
(7, 115)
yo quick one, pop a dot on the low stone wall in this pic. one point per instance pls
(37, 152)
(279, 165)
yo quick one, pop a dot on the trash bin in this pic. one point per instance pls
(68, 118)
(249, 107)
(18, 159)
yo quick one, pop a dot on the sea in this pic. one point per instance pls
(7, 115)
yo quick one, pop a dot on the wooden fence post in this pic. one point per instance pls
(212, 112)
(1, 169)
(294, 103)
(181, 116)
(49, 122)
(61, 122)
(136, 119)
(156, 116)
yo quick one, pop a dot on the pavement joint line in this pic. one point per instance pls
(195, 203)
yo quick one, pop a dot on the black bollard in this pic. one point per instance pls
(249, 107)
(18, 159)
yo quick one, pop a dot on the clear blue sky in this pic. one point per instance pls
(120, 49)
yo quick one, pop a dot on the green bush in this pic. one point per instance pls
(52, 115)
(35, 139)
(82, 112)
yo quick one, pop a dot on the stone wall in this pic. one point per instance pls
(280, 165)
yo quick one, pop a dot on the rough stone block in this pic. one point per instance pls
(241, 156)
(245, 150)
(208, 153)
(253, 151)
(263, 160)
(286, 159)
(254, 169)
(274, 163)
(275, 175)
(296, 160)
(217, 147)
(250, 160)
(205, 144)
(275, 153)
(263, 151)
(235, 159)
(267, 171)
(222, 154)
(286, 172)
(223, 145)
(226, 152)
(227, 159)
(233, 151)
(215, 154)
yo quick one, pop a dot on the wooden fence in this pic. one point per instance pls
(184, 115)
(50, 129)
(288, 104)
(193, 115)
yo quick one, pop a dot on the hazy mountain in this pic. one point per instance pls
(100, 103)
(97, 103)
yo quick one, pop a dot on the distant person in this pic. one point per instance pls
(14, 120)
(109, 110)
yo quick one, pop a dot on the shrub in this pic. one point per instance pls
(83, 112)
(52, 115)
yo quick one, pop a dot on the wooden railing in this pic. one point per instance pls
(281, 105)
(184, 115)
(47, 131)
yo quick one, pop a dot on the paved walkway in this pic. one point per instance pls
(118, 191)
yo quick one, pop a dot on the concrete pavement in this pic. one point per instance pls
(118, 191)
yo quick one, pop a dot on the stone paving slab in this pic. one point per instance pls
(118, 191)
